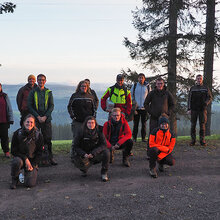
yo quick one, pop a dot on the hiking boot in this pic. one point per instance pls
(203, 143)
(160, 167)
(14, 183)
(53, 162)
(126, 162)
(7, 155)
(84, 173)
(104, 177)
(192, 143)
(153, 172)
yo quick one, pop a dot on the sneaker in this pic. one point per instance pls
(7, 155)
(53, 162)
(153, 173)
(160, 167)
(203, 143)
(192, 143)
(104, 177)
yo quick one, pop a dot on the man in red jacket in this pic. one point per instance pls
(118, 135)
(161, 144)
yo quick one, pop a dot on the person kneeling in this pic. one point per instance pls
(161, 143)
(89, 147)
(118, 135)
(26, 148)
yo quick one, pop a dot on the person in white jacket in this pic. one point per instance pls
(139, 92)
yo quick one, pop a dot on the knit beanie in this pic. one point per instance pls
(163, 120)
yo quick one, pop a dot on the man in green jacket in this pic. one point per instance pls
(41, 105)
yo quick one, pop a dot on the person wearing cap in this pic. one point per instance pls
(6, 118)
(41, 105)
(119, 95)
(199, 98)
(22, 97)
(161, 144)
(139, 92)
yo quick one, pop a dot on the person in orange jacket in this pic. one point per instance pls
(161, 144)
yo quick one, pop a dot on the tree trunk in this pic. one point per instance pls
(209, 55)
(172, 48)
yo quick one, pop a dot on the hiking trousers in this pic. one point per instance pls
(4, 137)
(141, 114)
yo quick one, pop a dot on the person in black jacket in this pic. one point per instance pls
(26, 148)
(159, 102)
(90, 148)
(199, 98)
(81, 105)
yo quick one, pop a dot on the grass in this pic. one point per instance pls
(64, 146)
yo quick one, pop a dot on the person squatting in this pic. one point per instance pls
(93, 143)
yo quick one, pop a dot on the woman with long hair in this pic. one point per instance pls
(26, 148)
(90, 147)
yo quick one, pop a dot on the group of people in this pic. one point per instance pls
(93, 143)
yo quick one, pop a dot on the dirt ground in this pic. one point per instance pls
(189, 190)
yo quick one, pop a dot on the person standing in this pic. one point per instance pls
(41, 105)
(80, 106)
(119, 95)
(158, 102)
(92, 92)
(161, 144)
(118, 135)
(199, 98)
(22, 97)
(139, 92)
(6, 118)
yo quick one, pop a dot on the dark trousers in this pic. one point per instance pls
(141, 114)
(126, 147)
(84, 163)
(46, 130)
(153, 123)
(30, 177)
(4, 137)
(153, 154)
(202, 115)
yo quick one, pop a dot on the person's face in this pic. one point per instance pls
(120, 82)
(87, 82)
(0, 87)
(31, 81)
(141, 79)
(199, 80)
(91, 124)
(160, 84)
(83, 88)
(29, 123)
(41, 81)
(116, 116)
(164, 126)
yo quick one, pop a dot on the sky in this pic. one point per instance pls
(68, 40)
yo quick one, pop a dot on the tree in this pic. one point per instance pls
(7, 7)
(210, 42)
(165, 30)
